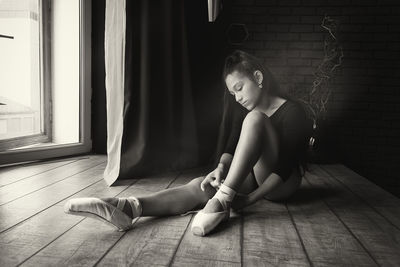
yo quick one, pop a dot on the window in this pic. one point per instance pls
(21, 98)
(45, 77)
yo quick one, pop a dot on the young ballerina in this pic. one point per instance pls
(264, 161)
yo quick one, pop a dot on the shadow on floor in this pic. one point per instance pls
(306, 195)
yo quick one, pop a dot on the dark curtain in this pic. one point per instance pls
(159, 129)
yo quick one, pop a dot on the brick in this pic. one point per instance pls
(356, 11)
(275, 45)
(256, 27)
(313, 2)
(311, 37)
(312, 54)
(243, 2)
(386, 36)
(266, 2)
(271, 53)
(393, 46)
(275, 62)
(351, 28)
(305, 71)
(242, 18)
(375, 28)
(388, 20)
(359, 54)
(302, 28)
(311, 19)
(288, 19)
(393, 28)
(277, 28)
(263, 19)
(299, 62)
(254, 44)
(300, 45)
(289, 2)
(381, 10)
(386, 54)
(318, 46)
(255, 10)
(264, 36)
(238, 10)
(280, 10)
(364, 2)
(360, 37)
(362, 19)
(304, 11)
(316, 62)
(337, 2)
(351, 45)
(287, 36)
(292, 53)
(331, 11)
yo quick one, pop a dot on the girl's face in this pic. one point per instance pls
(246, 91)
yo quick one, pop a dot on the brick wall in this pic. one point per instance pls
(363, 120)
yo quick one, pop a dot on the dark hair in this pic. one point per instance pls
(247, 64)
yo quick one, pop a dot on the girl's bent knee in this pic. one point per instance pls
(256, 120)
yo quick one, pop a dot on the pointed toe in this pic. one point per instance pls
(203, 223)
(100, 210)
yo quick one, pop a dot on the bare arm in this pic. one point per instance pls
(225, 163)
(270, 184)
(215, 177)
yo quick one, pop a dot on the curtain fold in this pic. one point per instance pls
(114, 50)
(157, 131)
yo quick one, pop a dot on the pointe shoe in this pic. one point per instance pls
(203, 223)
(103, 211)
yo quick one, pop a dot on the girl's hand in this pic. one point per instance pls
(214, 178)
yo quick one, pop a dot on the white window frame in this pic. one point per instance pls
(85, 90)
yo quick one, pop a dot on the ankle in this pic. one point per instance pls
(225, 195)
(134, 207)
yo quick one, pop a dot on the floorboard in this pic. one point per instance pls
(153, 241)
(12, 174)
(24, 240)
(31, 184)
(382, 201)
(337, 218)
(90, 239)
(223, 245)
(380, 238)
(269, 237)
(326, 240)
(23, 208)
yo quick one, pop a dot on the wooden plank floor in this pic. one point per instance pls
(337, 218)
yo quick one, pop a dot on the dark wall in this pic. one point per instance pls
(362, 127)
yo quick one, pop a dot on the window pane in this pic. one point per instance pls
(20, 87)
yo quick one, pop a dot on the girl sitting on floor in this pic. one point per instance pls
(262, 158)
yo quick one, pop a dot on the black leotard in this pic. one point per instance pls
(293, 128)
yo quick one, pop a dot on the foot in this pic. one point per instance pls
(109, 210)
(213, 205)
(127, 209)
(209, 217)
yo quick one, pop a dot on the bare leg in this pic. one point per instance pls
(257, 146)
(172, 201)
